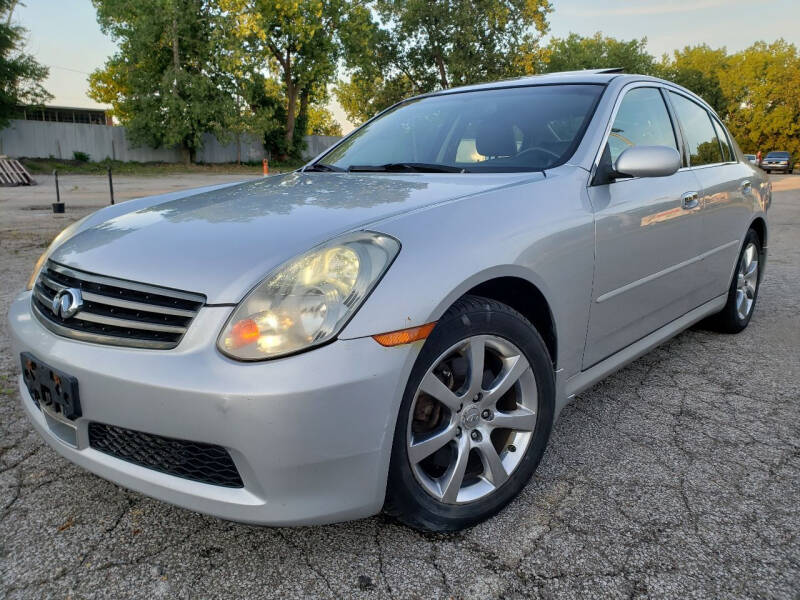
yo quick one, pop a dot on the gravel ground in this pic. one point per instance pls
(677, 477)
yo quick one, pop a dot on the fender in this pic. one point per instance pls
(542, 233)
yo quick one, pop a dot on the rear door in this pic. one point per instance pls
(647, 229)
(726, 192)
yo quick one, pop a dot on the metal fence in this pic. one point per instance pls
(44, 139)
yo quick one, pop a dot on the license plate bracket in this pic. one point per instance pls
(52, 390)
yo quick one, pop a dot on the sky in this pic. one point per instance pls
(64, 34)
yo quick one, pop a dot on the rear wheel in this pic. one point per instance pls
(743, 290)
(475, 418)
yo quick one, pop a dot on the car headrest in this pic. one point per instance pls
(494, 138)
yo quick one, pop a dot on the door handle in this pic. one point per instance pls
(690, 200)
(747, 187)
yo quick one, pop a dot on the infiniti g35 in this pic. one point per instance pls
(398, 324)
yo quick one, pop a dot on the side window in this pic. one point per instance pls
(701, 137)
(724, 141)
(642, 120)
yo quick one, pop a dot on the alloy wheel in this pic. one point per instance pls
(472, 419)
(747, 281)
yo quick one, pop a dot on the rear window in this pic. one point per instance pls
(701, 137)
(778, 155)
(727, 150)
(498, 130)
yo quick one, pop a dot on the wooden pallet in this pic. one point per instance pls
(13, 173)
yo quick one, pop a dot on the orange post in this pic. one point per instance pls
(265, 165)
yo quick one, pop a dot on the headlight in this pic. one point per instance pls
(306, 301)
(36, 268)
(61, 237)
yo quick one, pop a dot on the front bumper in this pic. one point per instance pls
(310, 434)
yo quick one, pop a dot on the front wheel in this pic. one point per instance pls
(475, 418)
(743, 290)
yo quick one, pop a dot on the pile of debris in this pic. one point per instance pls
(13, 173)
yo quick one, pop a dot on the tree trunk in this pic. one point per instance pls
(303, 112)
(442, 72)
(176, 65)
(302, 116)
(304, 96)
(176, 62)
(291, 111)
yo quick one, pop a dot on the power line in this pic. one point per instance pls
(68, 69)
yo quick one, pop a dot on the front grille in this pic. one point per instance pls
(115, 311)
(191, 460)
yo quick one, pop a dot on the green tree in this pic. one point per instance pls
(364, 95)
(21, 76)
(321, 122)
(256, 100)
(267, 95)
(416, 46)
(762, 88)
(165, 82)
(576, 52)
(300, 42)
(698, 69)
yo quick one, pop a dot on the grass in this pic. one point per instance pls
(74, 167)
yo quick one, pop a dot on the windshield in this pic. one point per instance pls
(499, 130)
(778, 155)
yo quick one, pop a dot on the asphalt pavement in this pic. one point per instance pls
(678, 477)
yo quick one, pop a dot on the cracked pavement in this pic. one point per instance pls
(676, 477)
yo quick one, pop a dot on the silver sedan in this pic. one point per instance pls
(398, 324)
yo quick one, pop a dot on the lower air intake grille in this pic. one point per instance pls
(191, 460)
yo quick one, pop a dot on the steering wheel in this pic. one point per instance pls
(538, 149)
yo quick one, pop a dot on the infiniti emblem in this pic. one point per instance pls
(66, 303)
(471, 417)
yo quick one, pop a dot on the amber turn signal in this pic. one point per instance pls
(404, 336)
(243, 332)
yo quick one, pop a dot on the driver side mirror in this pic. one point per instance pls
(647, 161)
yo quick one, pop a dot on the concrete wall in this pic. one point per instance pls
(251, 148)
(317, 144)
(42, 139)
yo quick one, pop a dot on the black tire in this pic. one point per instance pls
(768, 171)
(406, 499)
(728, 320)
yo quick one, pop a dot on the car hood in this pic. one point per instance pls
(222, 242)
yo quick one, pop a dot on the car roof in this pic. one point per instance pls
(595, 76)
(589, 76)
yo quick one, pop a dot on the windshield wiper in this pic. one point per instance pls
(323, 167)
(412, 167)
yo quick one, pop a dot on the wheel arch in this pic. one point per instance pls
(527, 299)
(760, 227)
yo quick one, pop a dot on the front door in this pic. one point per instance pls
(647, 270)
